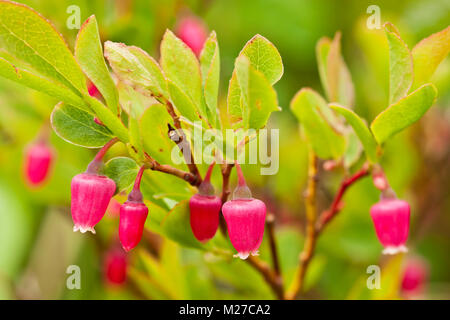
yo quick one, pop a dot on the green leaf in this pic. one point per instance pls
(234, 101)
(326, 141)
(353, 150)
(108, 118)
(181, 66)
(132, 101)
(157, 215)
(176, 226)
(322, 50)
(334, 74)
(28, 36)
(89, 54)
(78, 127)
(361, 130)
(39, 83)
(152, 68)
(182, 102)
(210, 69)
(400, 65)
(339, 79)
(428, 54)
(123, 171)
(264, 57)
(135, 138)
(153, 129)
(260, 99)
(403, 113)
(128, 67)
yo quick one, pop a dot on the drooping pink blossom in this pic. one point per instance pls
(91, 193)
(115, 267)
(204, 210)
(133, 214)
(38, 160)
(414, 278)
(391, 221)
(193, 32)
(245, 217)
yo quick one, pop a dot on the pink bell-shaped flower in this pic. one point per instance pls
(245, 217)
(133, 214)
(193, 32)
(115, 267)
(38, 160)
(414, 279)
(391, 219)
(91, 193)
(205, 209)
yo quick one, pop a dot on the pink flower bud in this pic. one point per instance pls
(245, 217)
(391, 220)
(38, 159)
(93, 91)
(115, 267)
(204, 210)
(91, 194)
(133, 214)
(193, 32)
(132, 221)
(414, 277)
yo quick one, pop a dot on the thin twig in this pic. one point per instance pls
(156, 166)
(314, 231)
(226, 171)
(178, 136)
(311, 215)
(270, 222)
(336, 205)
(269, 276)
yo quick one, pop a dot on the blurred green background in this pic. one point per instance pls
(36, 241)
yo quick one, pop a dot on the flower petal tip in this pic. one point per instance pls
(242, 255)
(391, 250)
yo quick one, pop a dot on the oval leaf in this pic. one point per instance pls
(403, 113)
(28, 36)
(78, 127)
(338, 78)
(400, 65)
(153, 130)
(39, 83)
(428, 54)
(89, 54)
(325, 140)
(361, 130)
(264, 57)
(210, 68)
(181, 66)
(123, 171)
(260, 99)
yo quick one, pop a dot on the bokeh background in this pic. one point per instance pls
(36, 241)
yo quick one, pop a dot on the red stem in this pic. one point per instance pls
(209, 172)
(335, 205)
(241, 179)
(105, 148)
(137, 182)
